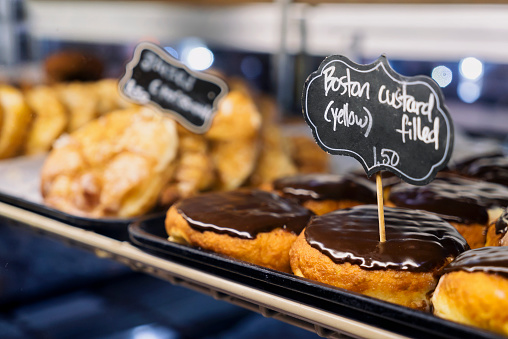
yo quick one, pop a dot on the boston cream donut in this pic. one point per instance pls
(491, 168)
(342, 249)
(469, 205)
(474, 289)
(497, 232)
(323, 193)
(250, 225)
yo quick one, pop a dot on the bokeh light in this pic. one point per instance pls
(442, 75)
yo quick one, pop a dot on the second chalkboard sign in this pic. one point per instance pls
(155, 78)
(383, 119)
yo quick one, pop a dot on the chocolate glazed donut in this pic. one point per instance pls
(323, 193)
(250, 225)
(469, 205)
(342, 249)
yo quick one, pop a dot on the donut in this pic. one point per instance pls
(473, 289)
(491, 168)
(342, 249)
(469, 205)
(255, 226)
(323, 193)
(496, 234)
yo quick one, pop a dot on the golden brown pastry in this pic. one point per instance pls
(469, 205)
(114, 166)
(497, 231)
(49, 119)
(194, 169)
(323, 193)
(108, 97)
(14, 121)
(234, 161)
(474, 290)
(80, 100)
(342, 249)
(251, 225)
(274, 159)
(307, 155)
(237, 118)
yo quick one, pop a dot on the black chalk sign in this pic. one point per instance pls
(153, 77)
(383, 119)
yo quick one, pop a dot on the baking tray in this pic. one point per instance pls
(20, 187)
(149, 235)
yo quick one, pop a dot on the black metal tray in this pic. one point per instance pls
(111, 227)
(20, 187)
(149, 234)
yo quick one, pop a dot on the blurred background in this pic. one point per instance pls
(48, 290)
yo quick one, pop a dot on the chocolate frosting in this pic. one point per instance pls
(327, 187)
(486, 259)
(243, 213)
(415, 240)
(502, 223)
(453, 198)
(492, 169)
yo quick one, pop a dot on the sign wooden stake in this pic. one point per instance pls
(380, 210)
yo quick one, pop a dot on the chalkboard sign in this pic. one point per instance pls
(153, 77)
(383, 119)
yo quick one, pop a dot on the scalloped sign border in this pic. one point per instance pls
(385, 120)
(153, 77)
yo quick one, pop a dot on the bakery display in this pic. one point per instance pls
(114, 166)
(342, 248)
(473, 289)
(323, 193)
(469, 205)
(496, 233)
(251, 225)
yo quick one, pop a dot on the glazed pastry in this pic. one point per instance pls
(80, 100)
(234, 161)
(108, 97)
(342, 249)
(251, 225)
(194, 168)
(323, 193)
(469, 205)
(274, 160)
(497, 232)
(474, 290)
(49, 119)
(114, 166)
(15, 117)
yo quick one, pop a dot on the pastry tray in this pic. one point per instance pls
(327, 311)
(20, 186)
(150, 235)
(330, 312)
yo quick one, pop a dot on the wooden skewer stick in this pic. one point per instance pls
(380, 210)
